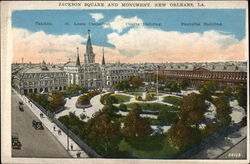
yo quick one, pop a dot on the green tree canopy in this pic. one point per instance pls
(103, 133)
(136, 128)
(123, 85)
(83, 100)
(207, 89)
(135, 81)
(223, 111)
(193, 109)
(123, 107)
(241, 95)
(183, 136)
(57, 100)
(183, 84)
(167, 117)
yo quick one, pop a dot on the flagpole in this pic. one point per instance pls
(157, 90)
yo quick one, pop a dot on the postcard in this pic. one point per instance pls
(124, 82)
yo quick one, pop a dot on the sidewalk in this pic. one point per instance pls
(74, 149)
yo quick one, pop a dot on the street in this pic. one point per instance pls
(35, 143)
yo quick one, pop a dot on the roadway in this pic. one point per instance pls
(35, 143)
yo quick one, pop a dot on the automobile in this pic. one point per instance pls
(37, 125)
(21, 108)
(20, 103)
(16, 144)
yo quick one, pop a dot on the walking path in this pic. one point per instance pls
(70, 107)
(70, 146)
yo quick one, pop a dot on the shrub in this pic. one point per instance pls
(123, 107)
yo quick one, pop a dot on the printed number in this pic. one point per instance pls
(234, 155)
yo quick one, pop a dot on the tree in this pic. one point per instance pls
(183, 136)
(83, 100)
(193, 109)
(207, 89)
(73, 88)
(111, 100)
(241, 95)
(183, 84)
(173, 86)
(228, 91)
(74, 124)
(136, 128)
(223, 111)
(123, 85)
(210, 129)
(57, 100)
(103, 133)
(123, 107)
(135, 81)
(167, 117)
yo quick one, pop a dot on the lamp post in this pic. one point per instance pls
(68, 139)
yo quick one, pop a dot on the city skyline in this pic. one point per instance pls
(126, 37)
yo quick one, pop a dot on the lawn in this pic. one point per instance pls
(173, 100)
(157, 146)
(152, 106)
(121, 98)
(134, 93)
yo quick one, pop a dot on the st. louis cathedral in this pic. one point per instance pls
(88, 73)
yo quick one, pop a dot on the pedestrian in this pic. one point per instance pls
(54, 128)
(59, 132)
(71, 146)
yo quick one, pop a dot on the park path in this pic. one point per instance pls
(70, 107)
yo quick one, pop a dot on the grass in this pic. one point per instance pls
(152, 106)
(157, 146)
(121, 98)
(173, 100)
(134, 93)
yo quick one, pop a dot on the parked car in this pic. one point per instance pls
(21, 108)
(16, 144)
(37, 124)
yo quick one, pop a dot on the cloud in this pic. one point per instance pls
(119, 23)
(137, 45)
(97, 16)
(39, 46)
(153, 45)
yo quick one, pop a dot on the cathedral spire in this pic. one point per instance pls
(89, 56)
(78, 59)
(89, 48)
(103, 59)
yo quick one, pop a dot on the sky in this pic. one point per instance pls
(130, 36)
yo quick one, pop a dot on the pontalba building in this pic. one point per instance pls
(43, 78)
